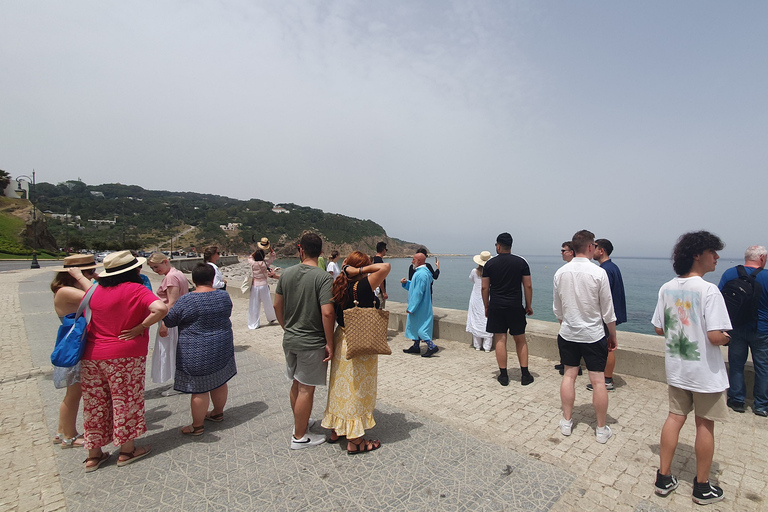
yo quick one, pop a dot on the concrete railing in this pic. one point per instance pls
(187, 264)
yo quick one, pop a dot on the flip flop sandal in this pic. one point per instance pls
(196, 431)
(100, 460)
(365, 446)
(132, 457)
(71, 442)
(215, 417)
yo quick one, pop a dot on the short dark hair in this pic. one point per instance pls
(422, 250)
(312, 245)
(568, 244)
(689, 246)
(129, 276)
(381, 246)
(203, 274)
(504, 240)
(581, 240)
(605, 245)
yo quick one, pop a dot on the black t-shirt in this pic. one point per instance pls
(379, 259)
(506, 273)
(365, 299)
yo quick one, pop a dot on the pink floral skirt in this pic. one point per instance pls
(113, 400)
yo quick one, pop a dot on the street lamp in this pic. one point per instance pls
(19, 179)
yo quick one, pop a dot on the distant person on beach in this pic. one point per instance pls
(304, 308)
(381, 291)
(692, 316)
(476, 321)
(210, 256)
(434, 271)
(418, 326)
(749, 334)
(566, 251)
(603, 257)
(584, 307)
(506, 281)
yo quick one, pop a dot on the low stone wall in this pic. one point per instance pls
(187, 264)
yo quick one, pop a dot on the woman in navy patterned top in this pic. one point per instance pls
(205, 357)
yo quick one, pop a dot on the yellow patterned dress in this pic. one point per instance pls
(352, 386)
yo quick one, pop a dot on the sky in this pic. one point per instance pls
(445, 122)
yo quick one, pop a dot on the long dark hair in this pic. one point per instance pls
(341, 284)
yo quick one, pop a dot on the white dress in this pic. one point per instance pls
(476, 320)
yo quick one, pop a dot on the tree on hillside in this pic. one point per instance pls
(5, 179)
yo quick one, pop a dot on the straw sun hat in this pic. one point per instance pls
(263, 244)
(81, 261)
(482, 258)
(119, 262)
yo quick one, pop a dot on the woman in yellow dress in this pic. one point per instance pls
(352, 386)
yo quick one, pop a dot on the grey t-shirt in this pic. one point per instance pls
(304, 289)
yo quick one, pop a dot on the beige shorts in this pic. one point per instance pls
(710, 406)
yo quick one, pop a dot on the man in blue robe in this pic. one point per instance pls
(418, 327)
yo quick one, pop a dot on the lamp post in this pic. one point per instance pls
(32, 196)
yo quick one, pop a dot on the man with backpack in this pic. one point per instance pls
(745, 290)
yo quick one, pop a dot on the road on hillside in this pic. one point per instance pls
(6, 265)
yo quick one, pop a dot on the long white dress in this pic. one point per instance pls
(476, 320)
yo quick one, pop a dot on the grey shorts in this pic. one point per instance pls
(306, 366)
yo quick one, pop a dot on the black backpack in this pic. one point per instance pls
(742, 297)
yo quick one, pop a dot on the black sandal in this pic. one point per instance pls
(364, 446)
(331, 440)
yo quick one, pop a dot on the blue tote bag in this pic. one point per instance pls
(70, 340)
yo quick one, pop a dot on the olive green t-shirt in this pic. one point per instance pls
(304, 289)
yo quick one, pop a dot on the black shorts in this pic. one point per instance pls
(506, 319)
(595, 354)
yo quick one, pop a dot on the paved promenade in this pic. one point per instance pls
(453, 439)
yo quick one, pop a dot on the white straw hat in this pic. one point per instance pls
(482, 258)
(119, 262)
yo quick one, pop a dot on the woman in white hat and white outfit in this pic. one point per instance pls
(476, 320)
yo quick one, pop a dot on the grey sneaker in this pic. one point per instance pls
(603, 434)
(665, 484)
(566, 426)
(306, 441)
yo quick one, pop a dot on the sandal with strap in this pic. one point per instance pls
(215, 417)
(57, 438)
(101, 459)
(331, 440)
(132, 456)
(72, 442)
(193, 430)
(363, 446)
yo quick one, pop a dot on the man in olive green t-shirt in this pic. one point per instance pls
(304, 309)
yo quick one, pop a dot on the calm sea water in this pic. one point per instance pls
(642, 279)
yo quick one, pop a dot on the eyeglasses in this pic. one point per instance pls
(565, 250)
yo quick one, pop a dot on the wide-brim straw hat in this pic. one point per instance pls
(81, 261)
(482, 258)
(120, 262)
(263, 244)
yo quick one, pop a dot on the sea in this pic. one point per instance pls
(642, 279)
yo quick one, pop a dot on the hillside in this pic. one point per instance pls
(115, 216)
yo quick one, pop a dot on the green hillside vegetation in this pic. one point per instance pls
(146, 218)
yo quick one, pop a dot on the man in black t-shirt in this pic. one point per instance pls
(505, 277)
(381, 291)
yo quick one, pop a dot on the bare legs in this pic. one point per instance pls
(704, 445)
(68, 411)
(521, 346)
(599, 395)
(610, 364)
(302, 397)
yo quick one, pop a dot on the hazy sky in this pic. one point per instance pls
(445, 122)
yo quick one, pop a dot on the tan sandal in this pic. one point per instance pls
(101, 459)
(132, 456)
(191, 430)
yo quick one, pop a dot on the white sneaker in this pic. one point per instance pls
(566, 426)
(603, 434)
(477, 348)
(306, 442)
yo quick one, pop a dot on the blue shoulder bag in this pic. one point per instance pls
(70, 340)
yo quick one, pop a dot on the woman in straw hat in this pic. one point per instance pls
(260, 262)
(174, 285)
(113, 366)
(69, 286)
(476, 312)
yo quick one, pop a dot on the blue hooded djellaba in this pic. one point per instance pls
(419, 323)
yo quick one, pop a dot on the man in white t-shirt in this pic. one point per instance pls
(692, 317)
(333, 267)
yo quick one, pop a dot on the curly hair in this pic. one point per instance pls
(356, 259)
(691, 245)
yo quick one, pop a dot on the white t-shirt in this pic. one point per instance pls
(334, 268)
(687, 309)
(582, 301)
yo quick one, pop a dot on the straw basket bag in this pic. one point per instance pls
(366, 330)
